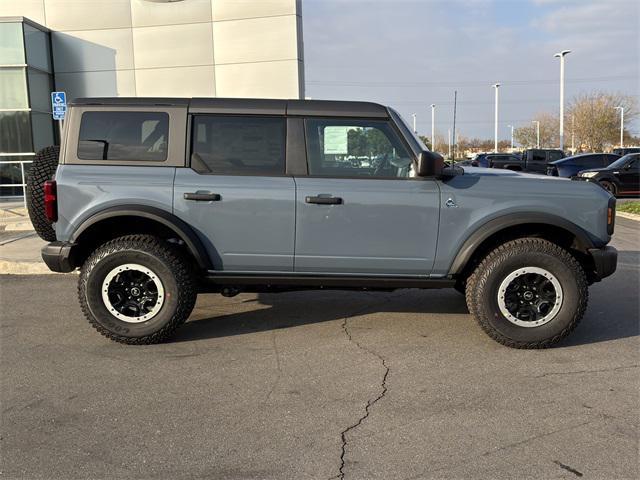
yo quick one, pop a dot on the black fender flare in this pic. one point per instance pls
(491, 227)
(181, 228)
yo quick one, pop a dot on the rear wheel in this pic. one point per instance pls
(528, 293)
(43, 168)
(137, 289)
(609, 187)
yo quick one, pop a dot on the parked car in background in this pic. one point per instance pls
(624, 151)
(570, 166)
(620, 178)
(495, 160)
(534, 160)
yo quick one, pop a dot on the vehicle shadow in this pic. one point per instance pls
(293, 309)
(614, 305)
(613, 312)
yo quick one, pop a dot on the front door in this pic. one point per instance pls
(236, 195)
(360, 210)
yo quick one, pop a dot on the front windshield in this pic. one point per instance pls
(621, 162)
(407, 131)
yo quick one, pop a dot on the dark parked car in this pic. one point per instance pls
(622, 177)
(570, 166)
(536, 160)
(624, 151)
(495, 160)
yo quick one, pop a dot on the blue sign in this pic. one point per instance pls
(58, 105)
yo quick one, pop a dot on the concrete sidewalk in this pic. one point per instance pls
(19, 244)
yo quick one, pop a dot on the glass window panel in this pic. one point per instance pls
(39, 90)
(11, 46)
(15, 132)
(356, 148)
(124, 136)
(13, 88)
(42, 124)
(37, 44)
(238, 145)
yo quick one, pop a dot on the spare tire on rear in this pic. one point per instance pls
(43, 168)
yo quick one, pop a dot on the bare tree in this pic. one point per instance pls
(596, 120)
(549, 128)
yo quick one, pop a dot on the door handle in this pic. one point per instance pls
(203, 196)
(324, 200)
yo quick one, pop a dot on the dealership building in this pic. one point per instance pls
(136, 48)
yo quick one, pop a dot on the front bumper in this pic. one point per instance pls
(605, 261)
(59, 256)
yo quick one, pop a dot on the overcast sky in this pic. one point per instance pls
(411, 53)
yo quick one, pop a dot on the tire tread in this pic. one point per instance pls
(175, 260)
(477, 280)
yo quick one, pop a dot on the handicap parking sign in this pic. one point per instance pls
(58, 105)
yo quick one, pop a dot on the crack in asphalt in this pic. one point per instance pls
(568, 468)
(278, 366)
(370, 402)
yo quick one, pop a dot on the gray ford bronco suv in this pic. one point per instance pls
(157, 200)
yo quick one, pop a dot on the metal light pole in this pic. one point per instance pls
(621, 126)
(573, 131)
(433, 127)
(537, 122)
(495, 147)
(561, 56)
(449, 138)
(511, 127)
(414, 123)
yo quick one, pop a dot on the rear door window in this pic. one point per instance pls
(590, 161)
(238, 145)
(126, 136)
(538, 156)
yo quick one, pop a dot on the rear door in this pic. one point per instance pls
(360, 210)
(537, 161)
(236, 194)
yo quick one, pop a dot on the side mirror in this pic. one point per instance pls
(430, 164)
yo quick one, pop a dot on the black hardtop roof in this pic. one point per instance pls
(256, 106)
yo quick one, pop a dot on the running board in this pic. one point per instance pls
(327, 281)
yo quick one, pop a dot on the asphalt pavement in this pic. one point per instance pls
(319, 385)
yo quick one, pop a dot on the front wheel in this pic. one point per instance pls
(137, 289)
(528, 293)
(609, 187)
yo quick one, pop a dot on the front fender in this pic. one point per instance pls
(475, 239)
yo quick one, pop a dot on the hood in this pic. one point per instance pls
(504, 173)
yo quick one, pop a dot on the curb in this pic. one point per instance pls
(23, 268)
(630, 216)
(19, 227)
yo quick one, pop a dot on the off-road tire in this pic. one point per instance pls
(172, 267)
(609, 186)
(43, 168)
(483, 286)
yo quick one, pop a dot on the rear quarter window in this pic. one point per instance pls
(118, 136)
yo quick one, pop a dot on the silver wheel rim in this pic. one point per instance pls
(133, 293)
(530, 297)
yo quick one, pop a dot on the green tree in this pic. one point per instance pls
(595, 122)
